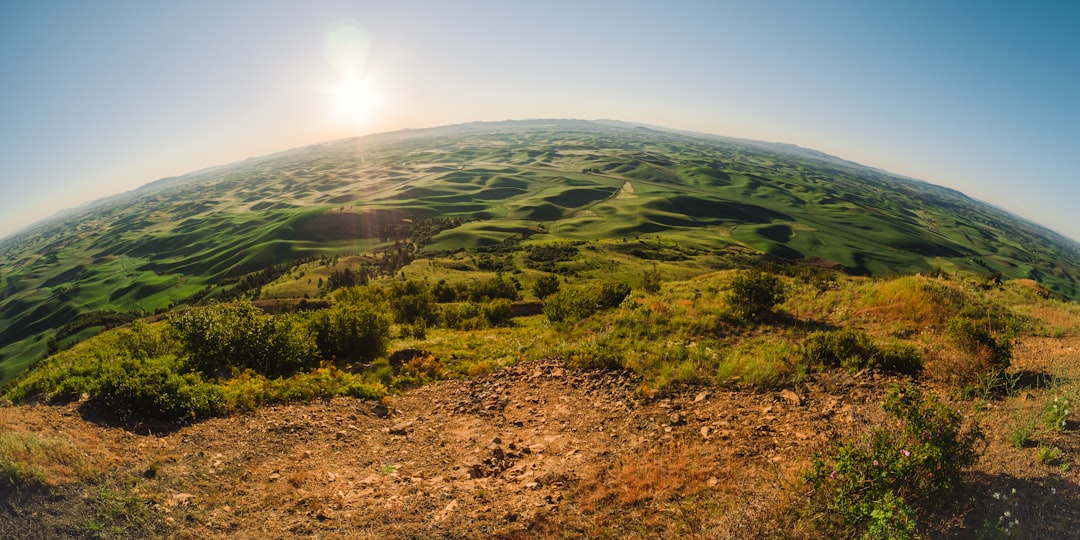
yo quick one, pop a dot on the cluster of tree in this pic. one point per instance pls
(545, 257)
(250, 285)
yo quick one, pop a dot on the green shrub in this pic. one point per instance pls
(350, 333)
(848, 348)
(875, 486)
(753, 295)
(546, 286)
(498, 312)
(651, 281)
(570, 305)
(154, 389)
(497, 287)
(221, 338)
(579, 302)
(411, 302)
(465, 315)
(855, 350)
(143, 341)
(901, 357)
(611, 294)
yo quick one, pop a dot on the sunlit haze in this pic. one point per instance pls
(100, 98)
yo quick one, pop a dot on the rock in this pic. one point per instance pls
(274, 477)
(791, 397)
(401, 429)
(676, 419)
(340, 435)
(380, 410)
(701, 396)
(705, 431)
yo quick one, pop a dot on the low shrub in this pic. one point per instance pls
(753, 295)
(221, 338)
(546, 285)
(349, 333)
(154, 389)
(577, 303)
(855, 350)
(877, 486)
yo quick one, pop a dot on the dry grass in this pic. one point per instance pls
(27, 458)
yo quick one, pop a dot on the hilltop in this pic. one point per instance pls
(449, 193)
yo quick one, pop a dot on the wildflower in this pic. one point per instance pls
(876, 463)
(1007, 514)
(997, 496)
(1014, 491)
(834, 474)
(905, 453)
(1053, 491)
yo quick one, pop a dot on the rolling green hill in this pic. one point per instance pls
(180, 241)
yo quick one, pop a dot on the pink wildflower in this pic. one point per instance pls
(834, 475)
(905, 453)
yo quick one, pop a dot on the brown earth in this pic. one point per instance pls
(534, 450)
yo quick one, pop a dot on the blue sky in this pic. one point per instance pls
(101, 97)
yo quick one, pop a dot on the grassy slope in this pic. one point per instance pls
(158, 246)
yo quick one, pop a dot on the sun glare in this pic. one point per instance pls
(353, 98)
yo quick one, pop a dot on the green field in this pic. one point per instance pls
(494, 189)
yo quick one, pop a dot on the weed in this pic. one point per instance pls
(1020, 436)
(1057, 413)
(1049, 454)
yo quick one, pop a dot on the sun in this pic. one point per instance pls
(347, 48)
(354, 98)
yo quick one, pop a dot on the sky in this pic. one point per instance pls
(98, 98)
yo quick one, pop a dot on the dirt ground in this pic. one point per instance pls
(534, 450)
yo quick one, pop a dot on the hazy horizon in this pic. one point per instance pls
(105, 99)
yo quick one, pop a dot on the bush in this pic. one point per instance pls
(154, 389)
(754, 294)
(611, 294)
(877, 485)
(412, 302)
(350, 333)
(651, 281)
(490, 289)
(546, 286)
(992, 353)
(849, 348)
(498, 312)
(460, 316)
(855, 350)
(570, 305)
(222, 338)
